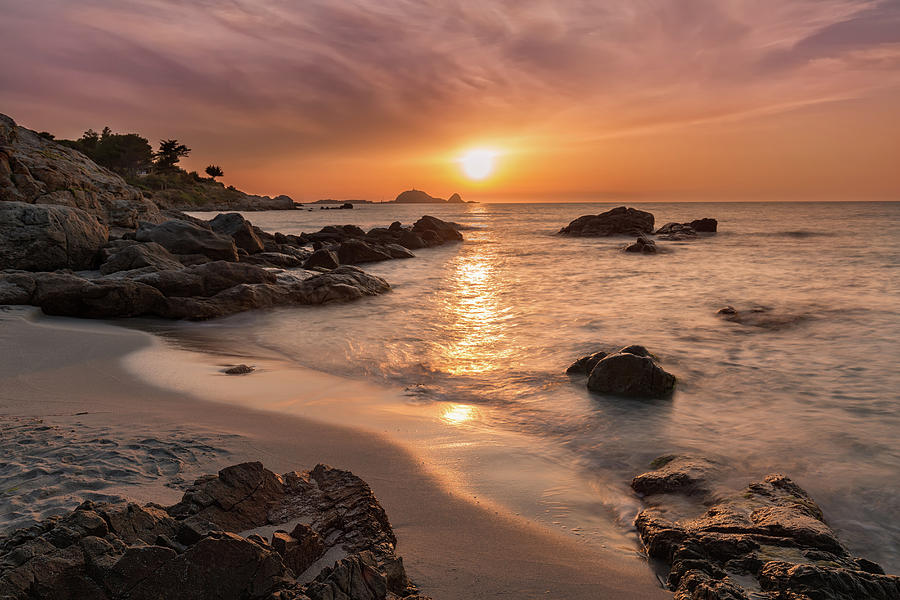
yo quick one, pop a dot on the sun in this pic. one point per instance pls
(478, 163)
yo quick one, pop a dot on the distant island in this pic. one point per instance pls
(333, 201)
(419, 197)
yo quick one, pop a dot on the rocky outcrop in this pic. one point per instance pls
(39, 237)
(433, 231)
(128, 255)
(632, 371)
(705, 225)
(771, 534)
(618, 221)
(240, 230)
(35, 170)
(686, 231)
(245, 533)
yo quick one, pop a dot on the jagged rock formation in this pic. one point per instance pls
(768, 542)
(632, 371)
(35, 170)
(243, 534)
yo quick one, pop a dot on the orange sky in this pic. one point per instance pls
(660, 99)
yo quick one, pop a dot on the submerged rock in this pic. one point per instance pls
(762, 317)
(772, 532)
(618, 221)
(199, 548)
(239, 370)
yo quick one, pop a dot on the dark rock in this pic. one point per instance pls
(37, 237)
(642, 245)
(138, 256)
(674, 473)
(396, 226)
(274, 259)
(618, 221)
(706, 225)
(772, 531)
(637, 350)
(183, 237)
(354, 252)
(625, 374)
(444, 231)
(411, 240)
(323, 259)
(206, 279)
(100, 299)
(239, 229)
(397, 251)
(763, 317)
(300, 548)
(586, 364)
(239, 370)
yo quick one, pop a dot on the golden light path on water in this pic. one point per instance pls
(457, 414)
(473, 312)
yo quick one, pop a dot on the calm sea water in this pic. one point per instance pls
(494, 322)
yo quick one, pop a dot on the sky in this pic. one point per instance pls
(579, 99)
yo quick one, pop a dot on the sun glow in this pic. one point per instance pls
(478, 163)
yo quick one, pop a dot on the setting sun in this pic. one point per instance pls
(478, 163)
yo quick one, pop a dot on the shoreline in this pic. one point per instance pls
(71, 374)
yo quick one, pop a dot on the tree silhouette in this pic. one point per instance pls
(214, 171)
(170, 152)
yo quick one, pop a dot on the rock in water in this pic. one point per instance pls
(441, 230)
(39, 237)
(618, 221)
(625, 374)
(354, 252)
(239, 370)
(642, 246)
(586, 364)
(772, 532)
(322, 259)
(705, 225)
(197, 549)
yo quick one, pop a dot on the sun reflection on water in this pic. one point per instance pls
(457, 414)
(474, 314)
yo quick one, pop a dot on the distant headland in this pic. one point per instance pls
(415, 196)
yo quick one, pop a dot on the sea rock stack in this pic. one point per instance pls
(618, 221)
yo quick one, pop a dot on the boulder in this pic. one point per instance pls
(274, 259)
(444, 231)
(239, 229)
(139, 256)
(411, 240)
(38, 237)
(618, 221)
(586, 364)
(706, 225)
(206, 280)
(675, 473)
(625, 374)
(354, 252)
(100, 299)
(183, 237)
(322, 259)
(642, 246)
(397, 251)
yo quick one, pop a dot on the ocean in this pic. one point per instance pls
(486, 329)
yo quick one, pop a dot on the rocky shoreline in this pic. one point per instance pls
(768, 541)
(244, 533)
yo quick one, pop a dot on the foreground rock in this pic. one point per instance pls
(35, 170)
(618, 221)
(771, 534)
(246, 533)
(43, 238)
(642, 245)
(632, 371)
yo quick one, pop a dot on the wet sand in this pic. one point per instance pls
(77, 424)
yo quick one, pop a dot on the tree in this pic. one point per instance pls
(170, 152)
(214, 171)
(125, 153)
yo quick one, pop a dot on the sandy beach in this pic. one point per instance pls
(78, 424)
